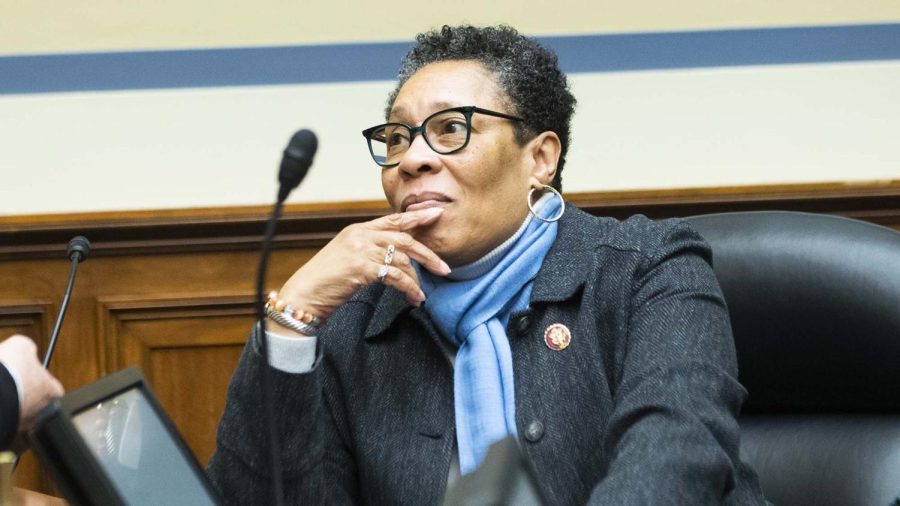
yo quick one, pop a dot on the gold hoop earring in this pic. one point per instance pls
(562, 207)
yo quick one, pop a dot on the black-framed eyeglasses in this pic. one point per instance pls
(445, 132)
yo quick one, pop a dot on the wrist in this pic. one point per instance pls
(297, 307)
(274, 328)
(286, 316)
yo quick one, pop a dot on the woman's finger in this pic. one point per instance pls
(409, 220)
(402, 261)
(392, 276)
(399, 260)
(422, 254)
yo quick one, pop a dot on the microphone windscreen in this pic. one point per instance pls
(79, 245)
(298, 156)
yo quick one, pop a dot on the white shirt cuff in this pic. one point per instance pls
(291, 354)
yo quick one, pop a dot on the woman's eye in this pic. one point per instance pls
(454, 126)
(395, 139)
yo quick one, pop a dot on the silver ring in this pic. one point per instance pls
(382, 273)
(389, 256)
(562, 207)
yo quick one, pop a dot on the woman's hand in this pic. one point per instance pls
(354, 258)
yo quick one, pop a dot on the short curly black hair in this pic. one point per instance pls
(527, 72)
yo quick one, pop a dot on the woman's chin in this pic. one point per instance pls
(431, 237)
(434, 239)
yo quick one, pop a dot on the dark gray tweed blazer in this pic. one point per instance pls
(639, 409)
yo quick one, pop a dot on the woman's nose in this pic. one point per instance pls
(419, 158)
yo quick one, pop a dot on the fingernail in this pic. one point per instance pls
(445, 268)
(421, 296)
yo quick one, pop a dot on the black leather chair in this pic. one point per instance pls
(815, 306)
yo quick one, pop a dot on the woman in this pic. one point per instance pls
(482, 309)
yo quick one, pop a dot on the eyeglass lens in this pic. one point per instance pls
(444, 132)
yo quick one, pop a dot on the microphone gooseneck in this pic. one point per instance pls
(79, 247)
(78, 250)
(295, 163)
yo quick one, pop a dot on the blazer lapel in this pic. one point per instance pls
(569, 258)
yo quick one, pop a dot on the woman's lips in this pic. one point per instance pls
(424, 200)
(425, 204)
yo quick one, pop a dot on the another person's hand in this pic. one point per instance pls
(23, 497)
(19, 354)
(353, 259)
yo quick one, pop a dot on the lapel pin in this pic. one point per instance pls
(557, 337)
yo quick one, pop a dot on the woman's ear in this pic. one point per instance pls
(544, 150)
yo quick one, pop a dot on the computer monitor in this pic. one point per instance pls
(110, 442)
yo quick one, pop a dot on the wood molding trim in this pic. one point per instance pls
(28, 317)
(118, 349)
(312, 225)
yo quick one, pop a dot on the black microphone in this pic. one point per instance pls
(298, 156)
(295, 162)
(79, 247)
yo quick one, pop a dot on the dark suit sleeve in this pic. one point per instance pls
(317, 467)
(9, 408)
(673, 436)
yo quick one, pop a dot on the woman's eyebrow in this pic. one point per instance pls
(398, 114)
(395, 113)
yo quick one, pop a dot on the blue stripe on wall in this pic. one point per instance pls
(379, 61)
(721, 48)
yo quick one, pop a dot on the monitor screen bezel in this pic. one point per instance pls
(62, 448)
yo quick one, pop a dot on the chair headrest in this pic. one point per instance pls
(815, 307)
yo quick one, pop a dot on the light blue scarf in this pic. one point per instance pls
(473, 312)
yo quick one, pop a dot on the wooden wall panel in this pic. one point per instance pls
(183, 318)
(187, 349)
(32, 318)
(28, 317)
(171, 291)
